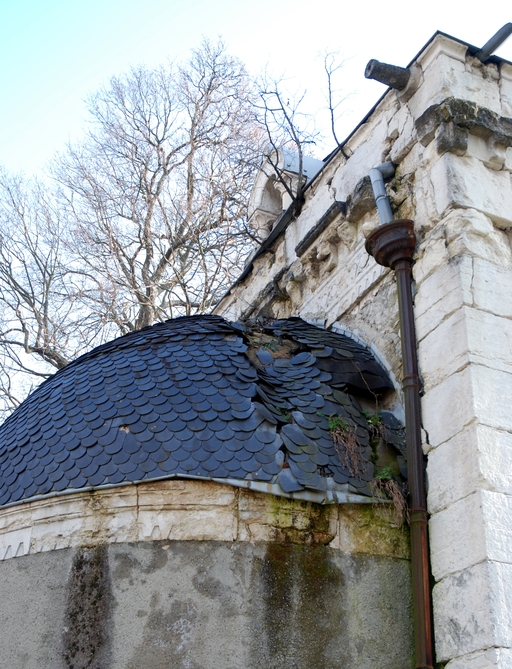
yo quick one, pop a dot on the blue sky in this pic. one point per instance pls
(54, 53)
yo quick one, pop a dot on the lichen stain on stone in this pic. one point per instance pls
(299, 585)
(168, 638)
(299, 522)
(212, 588)
(207, 585)
(369, 529)
(155, 558)
(86, 643)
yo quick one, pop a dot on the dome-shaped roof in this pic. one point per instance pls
(200, 397)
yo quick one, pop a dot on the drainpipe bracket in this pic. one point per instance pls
(392, 242)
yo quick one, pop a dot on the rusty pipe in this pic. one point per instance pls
(392, 245)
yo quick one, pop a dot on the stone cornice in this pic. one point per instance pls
(313, 234)
(187, 510)
(451, 121)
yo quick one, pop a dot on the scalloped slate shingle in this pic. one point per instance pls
(182, 398)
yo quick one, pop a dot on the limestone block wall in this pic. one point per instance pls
(202, 575)
(464, 330)
(464, 275)
(449, 134)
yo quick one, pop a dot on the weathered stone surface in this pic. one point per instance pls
(434, 366)
(361, 274)
(369, 531)
(493, 396)
(205, 605)
(476, 393)
(448, 407)
(493, 658)
(476, 528)
(492, 288)
(471, 610)
(361, 201)
(477, 458)
(457, 541)
(506, 88)
(264, 518)
(491, 150)
(442, 293)
(467, 231)
(508, 160)
(457, 182)
(79, 519)
(443, 65)
(432, 255)
(489, 339)
(186, 510)
(464, 114)
(452, 138)
(473, 336)
(401, 132)
(336, 209)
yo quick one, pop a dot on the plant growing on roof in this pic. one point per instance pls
(374, 421)
(347, 447)
(385, 485)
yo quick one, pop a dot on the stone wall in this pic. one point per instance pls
(202, 575)
(188, 510)
(450, 135)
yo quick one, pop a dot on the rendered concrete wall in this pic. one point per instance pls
(204, 605)
(450, 135)
(297, 585)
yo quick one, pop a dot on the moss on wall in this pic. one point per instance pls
(297, 581)
(86, 625)
(370, 530)
(300, 522)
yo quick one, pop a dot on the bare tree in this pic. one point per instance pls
(289, 132)
(155, 198)
(145, 219)
(39, 324)
(333, 64)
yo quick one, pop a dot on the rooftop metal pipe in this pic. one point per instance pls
(494, 43)
(392, 244)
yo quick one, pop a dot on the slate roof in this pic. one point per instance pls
(203, 398)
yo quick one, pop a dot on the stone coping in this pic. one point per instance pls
(181, 510)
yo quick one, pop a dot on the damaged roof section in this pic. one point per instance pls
(271, 407)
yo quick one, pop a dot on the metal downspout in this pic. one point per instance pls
(392, 245)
